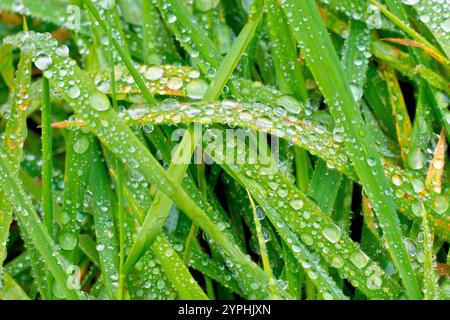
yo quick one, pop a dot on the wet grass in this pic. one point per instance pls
(109, 205)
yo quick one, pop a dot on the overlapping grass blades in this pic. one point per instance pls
(123, 221)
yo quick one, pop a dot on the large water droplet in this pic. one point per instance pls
(411, 2)
(175, 83)
(260, 213)
(440, 204)
(337, 261)
(446, 25)
(371, 161)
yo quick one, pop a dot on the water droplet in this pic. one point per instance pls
(137, 113)
(73, 92)
(81, 145)
(42, 62)
(245, 116)
(296, 204)
(417, 185)
(160, 284)
(446, 25)
(153, 73)
(260, 213)
(357, 92)
(99, 101)
(62, 51)
(410, 246)
(411, 2)
(359, 259)
(440, 204)
(264, 122)
(168, 252)
(337, 261)
(68, 241)
(416, 209)
(374, 282)
(171, 18)
(307, 239)
(397, 180)
(175, 83)
(425, 18)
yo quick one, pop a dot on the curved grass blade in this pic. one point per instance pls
(161, 205)
(403, 25)
(401, 62)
